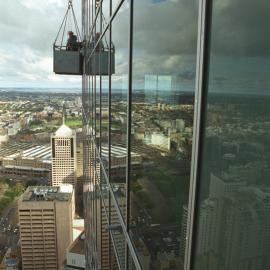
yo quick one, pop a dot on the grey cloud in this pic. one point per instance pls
(241, 27)
(220, 79)
(30, 27)
(165, 28)
(165, 37)
(187, 75)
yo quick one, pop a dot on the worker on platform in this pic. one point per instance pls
(72, 43)
(100, 45)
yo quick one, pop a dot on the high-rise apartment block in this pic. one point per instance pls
(45, 218)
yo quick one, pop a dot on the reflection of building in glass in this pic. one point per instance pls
(115, 229)
(234, 230)
(118, 160)
(223, 185)
(158, 89)
(137, 140)
(99, 223)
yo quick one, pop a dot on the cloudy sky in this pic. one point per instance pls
(165, 40)
(28, 29)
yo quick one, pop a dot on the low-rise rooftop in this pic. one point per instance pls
(47, 193)
(38, 152)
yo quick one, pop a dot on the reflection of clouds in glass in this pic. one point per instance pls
(240, 74)
(241, 27)
(165, 42)
(240, 45)
(164, 36)
(158, 82)
(164, 83)
(150, 82)
(165, 29)
(120, 82)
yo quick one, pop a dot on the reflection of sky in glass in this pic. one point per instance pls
(150, 82)
(158, 82)
(233, 215)
(242, 74)
(164, 83)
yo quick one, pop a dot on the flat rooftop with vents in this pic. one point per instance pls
(47, 193)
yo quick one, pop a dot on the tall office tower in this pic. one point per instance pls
(224, 184)
(63, 143)
(245, 235)
(234, 230)
(45, 218)
(210, 218)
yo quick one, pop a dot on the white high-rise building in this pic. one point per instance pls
(63, 143)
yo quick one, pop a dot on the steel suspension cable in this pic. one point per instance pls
(64, 20)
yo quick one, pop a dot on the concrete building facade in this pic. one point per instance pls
(63, 143)
(45, 218)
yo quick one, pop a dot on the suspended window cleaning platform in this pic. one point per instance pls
(98, 63)
(68, 58)
(67, 62)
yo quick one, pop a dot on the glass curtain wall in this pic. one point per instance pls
(138, 96)
(232, 213)
(138, 101)
(163, 82)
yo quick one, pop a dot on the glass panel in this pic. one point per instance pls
(119, 106)
(131, 264)
(106, 12)
(233, 231)
(105, 193)
(97, 113)
(102, 225)
(162, 114)
(90, 199)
